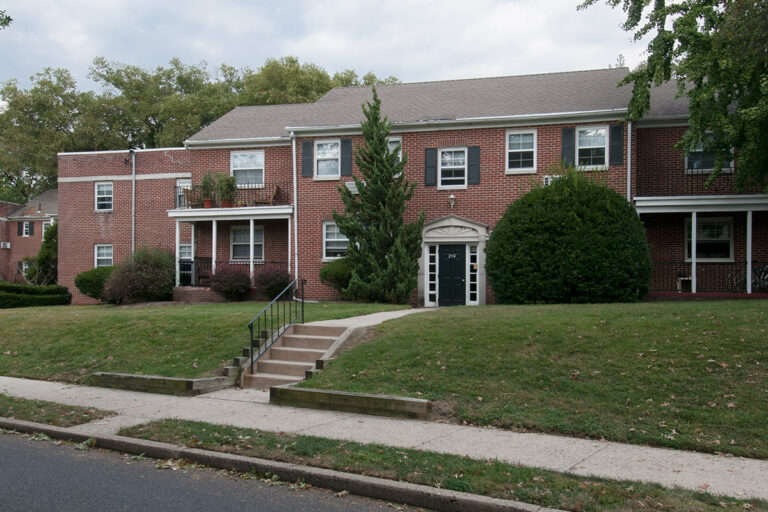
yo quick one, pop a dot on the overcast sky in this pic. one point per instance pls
(415, 41)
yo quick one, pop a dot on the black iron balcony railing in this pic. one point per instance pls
(248, 195)
(198, 272)
(692, 183)
(729, 277)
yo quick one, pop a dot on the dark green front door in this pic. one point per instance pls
(452, 276)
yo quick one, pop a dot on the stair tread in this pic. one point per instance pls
(286, 362)
(310, 336)
(277, 376)
(296, 349)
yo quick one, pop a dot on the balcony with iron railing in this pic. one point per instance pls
(657, 183)
(245, 196)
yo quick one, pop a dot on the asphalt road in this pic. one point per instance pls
(42, 476)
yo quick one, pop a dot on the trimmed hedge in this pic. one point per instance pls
(572, 241)
(21, 300)
(149, 276)
(232, 283)
(91, 282)
(30, 289)
(272, 282)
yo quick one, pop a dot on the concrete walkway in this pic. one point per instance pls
(732, 476)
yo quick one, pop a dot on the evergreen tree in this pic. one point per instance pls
(44, 269)
(383, 250)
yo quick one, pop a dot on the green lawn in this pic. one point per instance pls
(67, 343)
(487, 477)
(49, 413)
(688, 375)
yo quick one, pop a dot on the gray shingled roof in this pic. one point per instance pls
(549, 93)
(46, 203)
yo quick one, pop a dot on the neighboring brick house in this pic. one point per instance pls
(22, 228)
(473, 146)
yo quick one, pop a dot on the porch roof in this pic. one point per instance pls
(711, 203)
(241, 213)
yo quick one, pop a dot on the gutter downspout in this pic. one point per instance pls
(133, 201)
(295, 209)
(629, 162)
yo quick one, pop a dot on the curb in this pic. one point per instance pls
(379, 488)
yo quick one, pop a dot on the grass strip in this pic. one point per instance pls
(49, 413)
(485, 477)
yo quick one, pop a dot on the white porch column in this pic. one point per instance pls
(693, 252)
(289, 246)
(178, 248)
(192, 249)
(749, 251)
(213, 247)
(250, 250)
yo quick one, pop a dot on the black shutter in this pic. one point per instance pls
(430, 167)
(307, 159)
(346, 157)
(19, 228)
(31, 228)
(473, 173)
(569, 147)
(616, 141)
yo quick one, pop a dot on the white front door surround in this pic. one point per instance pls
(452, 230)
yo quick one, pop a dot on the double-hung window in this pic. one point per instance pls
(102, 255)
(104, 196)
(394, 144)
(46, 224)
(248, 168)
(452, 168)
(592, 147)
(521, 151)
(27, 232)
(327, 159)
(335, 244)
(714, 239)
(238, 243)
(183, 185)
(699, 161)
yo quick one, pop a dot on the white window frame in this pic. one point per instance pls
(182, 247)
(263, 169)
(336, 176)
(96, 255)
(246, 228)
(440, 185)
(399, 140)
(182, 184)
(699, 222)
(607, 147)
(45, 225)
(24, 268)
(26, 230)
(325, 248)
(699, 148)
(521, 170)
(96, 196)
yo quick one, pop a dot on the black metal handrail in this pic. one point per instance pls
(275, 319)
(253, 194)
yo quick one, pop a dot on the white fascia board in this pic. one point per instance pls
(282, 140)
(208, 214)
(714, 203)
(116, 151)
(126, 177)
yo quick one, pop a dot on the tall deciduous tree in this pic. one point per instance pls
(383, 249)
(717, 50)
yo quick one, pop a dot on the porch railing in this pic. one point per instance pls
(681, 184)
(252, 194)
(285, 310)
(198, 272)
(728, 277)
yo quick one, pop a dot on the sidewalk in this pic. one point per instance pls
(733, 476)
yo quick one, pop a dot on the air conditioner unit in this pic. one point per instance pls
(5, 245)
(548, 180)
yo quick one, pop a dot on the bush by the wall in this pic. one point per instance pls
(30, 289)
(572, 241)
(336, 274)
(21, 300)
(272, 282)
(233, 284)
(149, 276)
(91, 282)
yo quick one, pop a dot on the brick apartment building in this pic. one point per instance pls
(22, 228)
(473, 146)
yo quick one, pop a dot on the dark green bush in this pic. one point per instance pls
(21, 300)
(30, 289)
(572, 241)
(232, 283)
(272, 282)
(336, 273)
(149, 276)
(91, 282)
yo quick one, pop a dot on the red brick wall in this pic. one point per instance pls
(21, 247)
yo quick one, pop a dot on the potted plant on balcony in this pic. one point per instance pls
(207, 186)
(225, 189)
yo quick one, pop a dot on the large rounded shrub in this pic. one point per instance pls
(572, 241)
(149, 276)
(91, 282)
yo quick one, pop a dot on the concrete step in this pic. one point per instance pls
(305, 341)
(266, 380)
(316, 330)
(239, 361)
(280, 367)
(304, 355)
